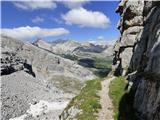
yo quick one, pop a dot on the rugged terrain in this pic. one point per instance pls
(95, 57)
(70, 47)
(137, 54)
(37, 84)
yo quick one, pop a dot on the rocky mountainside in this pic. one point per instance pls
(71, 47)
(58, 47)
(108, 51)
(37, 84)
(137, 54)
(90, 47)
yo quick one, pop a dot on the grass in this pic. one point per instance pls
(87, 100)
(102, 63)
(122, 100)
(100, 66)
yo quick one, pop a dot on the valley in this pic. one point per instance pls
(51, 80)
(69, 60)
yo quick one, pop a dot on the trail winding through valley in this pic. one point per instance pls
(106, 113)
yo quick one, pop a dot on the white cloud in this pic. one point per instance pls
(86, 18)
(100, 38)
(33, 4)
(31, 32)
(37, 19)
(75, 4)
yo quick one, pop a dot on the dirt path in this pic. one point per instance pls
(106, 113)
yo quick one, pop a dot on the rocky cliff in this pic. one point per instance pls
(137, 54)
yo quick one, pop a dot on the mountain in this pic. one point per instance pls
(58, 47)
(73, 47)
(36, 83)
(65, 47)
(89, 47)
(42, 44)
(109, 50)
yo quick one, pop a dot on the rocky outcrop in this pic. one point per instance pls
(137, 54)
(11, 63)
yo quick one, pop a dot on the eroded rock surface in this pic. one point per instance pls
(137, 54)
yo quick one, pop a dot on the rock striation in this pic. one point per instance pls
(137, 54)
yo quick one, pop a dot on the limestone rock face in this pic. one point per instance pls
(138, 51)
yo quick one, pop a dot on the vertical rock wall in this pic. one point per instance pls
(137, 54)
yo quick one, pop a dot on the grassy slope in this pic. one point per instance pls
(87, 100)
(122, 100)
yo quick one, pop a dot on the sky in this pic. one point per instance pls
(52, 20)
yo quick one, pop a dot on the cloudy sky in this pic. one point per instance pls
(81, 21)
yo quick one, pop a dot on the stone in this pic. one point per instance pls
(126, 55)
(139, 50)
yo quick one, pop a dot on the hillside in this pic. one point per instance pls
(33, 78)
(96, 57)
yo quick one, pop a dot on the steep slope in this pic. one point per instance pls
(44, 62)
(37, 84)
(137, 54)
(42, 44)
(58, 47)
(108, 51)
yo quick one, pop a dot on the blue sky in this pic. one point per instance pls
(66, 16)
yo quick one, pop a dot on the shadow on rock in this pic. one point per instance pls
(126, 110)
